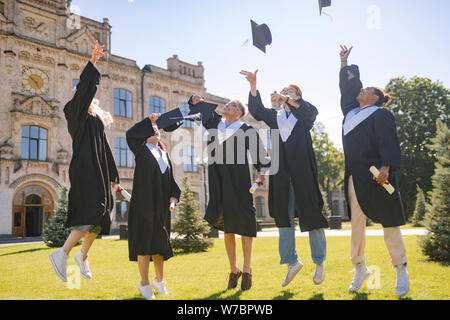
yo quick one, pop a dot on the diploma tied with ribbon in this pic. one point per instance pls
(258, 183)
(389, 188)
(124, 193)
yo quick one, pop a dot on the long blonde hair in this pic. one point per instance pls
(96, 111)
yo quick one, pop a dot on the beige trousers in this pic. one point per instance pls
(392, 236)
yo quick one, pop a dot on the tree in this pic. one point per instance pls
(420, 209)
(436, 244)
(417, 104)
(55, 233)
(330, 161)
(189, 225)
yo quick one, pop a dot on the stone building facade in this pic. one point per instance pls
(43, 49)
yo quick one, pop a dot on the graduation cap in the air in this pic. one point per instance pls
(169, 121)
(323, 4)
(261, 35)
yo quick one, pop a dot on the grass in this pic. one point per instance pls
(26, 273)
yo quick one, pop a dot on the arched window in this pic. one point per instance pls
(157, 105)
(122, 153)
(34, 143)
(123, 103)
(260, 207)
(185, 111)
(189, 159)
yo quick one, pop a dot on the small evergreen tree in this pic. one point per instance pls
(189, 225)
(436, 244)
(55, 233)
(326, 208)
(420, 210)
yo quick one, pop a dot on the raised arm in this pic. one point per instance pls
(349, 82)
(210, 118)
(255, 105)
(139, 133)
(306, 113)
(77, 108)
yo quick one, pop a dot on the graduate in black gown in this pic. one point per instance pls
(294, 189)
(154, 188)
(92, 170)
(370, 139)
(230, 207)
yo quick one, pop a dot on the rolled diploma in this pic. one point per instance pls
(389, 188)
(255, 186)
(172, 206)
(124, 193)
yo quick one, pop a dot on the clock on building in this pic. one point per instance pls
(35, 81)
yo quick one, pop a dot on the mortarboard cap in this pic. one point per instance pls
(323, 4)
(169, 119)
(261, 35)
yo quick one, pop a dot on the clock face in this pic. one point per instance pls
(35, 81)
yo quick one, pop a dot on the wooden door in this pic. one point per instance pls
(18, 221)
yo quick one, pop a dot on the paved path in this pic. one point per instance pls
(272, 232)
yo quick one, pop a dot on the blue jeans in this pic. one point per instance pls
(286, 244)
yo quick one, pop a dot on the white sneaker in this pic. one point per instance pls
(146, 291)
(59, 263)
(402, 285)
(361, 274)
(293, 269)
(84, 265)
(160, 287)
(319, 275)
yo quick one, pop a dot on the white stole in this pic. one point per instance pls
(223, 133)
(354, 121)
(285, 125)
(161, 158)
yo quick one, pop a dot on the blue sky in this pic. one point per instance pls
(408, 39)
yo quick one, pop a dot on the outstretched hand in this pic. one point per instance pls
(345, 52)
(251, 77)
(97, 53)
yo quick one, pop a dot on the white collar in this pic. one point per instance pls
(285, 125)
(354, 121)
(160, 156)
(225, 132)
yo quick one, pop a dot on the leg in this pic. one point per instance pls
(358, 221)
(72, 240)
(87, 243)
(143, 264)
(230, 246)
(394, 242)
(247, 243)
(318, 244)
(158, 262)
(286, 242)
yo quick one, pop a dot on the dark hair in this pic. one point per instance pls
(383, 98)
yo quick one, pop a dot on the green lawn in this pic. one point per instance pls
(26, 273)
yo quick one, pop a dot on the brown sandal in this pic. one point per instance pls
(246, 282)
(233, 280)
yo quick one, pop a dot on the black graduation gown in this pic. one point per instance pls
(149, 213)
(373, 142)
(297, 165)
(92, 167)
(230, 207)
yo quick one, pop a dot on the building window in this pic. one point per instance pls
(157, 105)
(260, 207)
(122, 153)
(122, 207)
(269, 140)
(2, 7)
(189, 159)
(123, 104)
(185, 111)
(34, 143)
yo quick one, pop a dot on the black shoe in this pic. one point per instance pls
(233, 280)
(246, 282)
